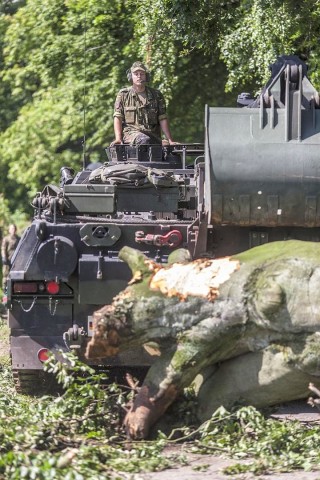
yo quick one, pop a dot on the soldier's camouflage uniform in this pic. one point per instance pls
(8, 246)
(140, 121)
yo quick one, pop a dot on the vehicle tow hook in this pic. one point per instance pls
(74, 337)
(171, 239)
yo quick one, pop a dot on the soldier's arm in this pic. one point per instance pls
(117, 124)
(118, 117)
(164, 124)
(163, 119)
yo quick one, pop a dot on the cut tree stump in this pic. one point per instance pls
(244, 328)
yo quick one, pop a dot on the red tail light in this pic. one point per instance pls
(43, 354)
(25, 287)
(53, 288)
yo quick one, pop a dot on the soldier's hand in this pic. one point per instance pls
(169, 142)
(115, 142)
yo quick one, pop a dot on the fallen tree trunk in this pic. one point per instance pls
(257, 309)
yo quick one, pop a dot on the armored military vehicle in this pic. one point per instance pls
(256, 179)
(66, 265)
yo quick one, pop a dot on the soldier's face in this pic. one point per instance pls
(12, 229)
(138, 77)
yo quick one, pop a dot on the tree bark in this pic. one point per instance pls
(197, 315)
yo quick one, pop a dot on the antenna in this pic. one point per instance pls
(84, 144)
(84, 147)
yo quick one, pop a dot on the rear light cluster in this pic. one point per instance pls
(36, 287)
(43, 354)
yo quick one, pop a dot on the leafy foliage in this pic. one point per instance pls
(74, 436)
(270, 445)
(259, 31)
(247, 35)
(78, 435)
(60, 64)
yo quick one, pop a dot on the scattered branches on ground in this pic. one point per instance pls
(78, 435)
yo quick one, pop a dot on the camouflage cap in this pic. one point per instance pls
(138, 66)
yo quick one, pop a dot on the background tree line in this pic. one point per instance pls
(63, 61)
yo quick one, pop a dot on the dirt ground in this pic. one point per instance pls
(202, 467)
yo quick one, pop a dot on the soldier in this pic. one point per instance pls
(9, 244)
(140, 111)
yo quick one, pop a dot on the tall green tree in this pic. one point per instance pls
(247, 35)
(62, 62)
(12, 194)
